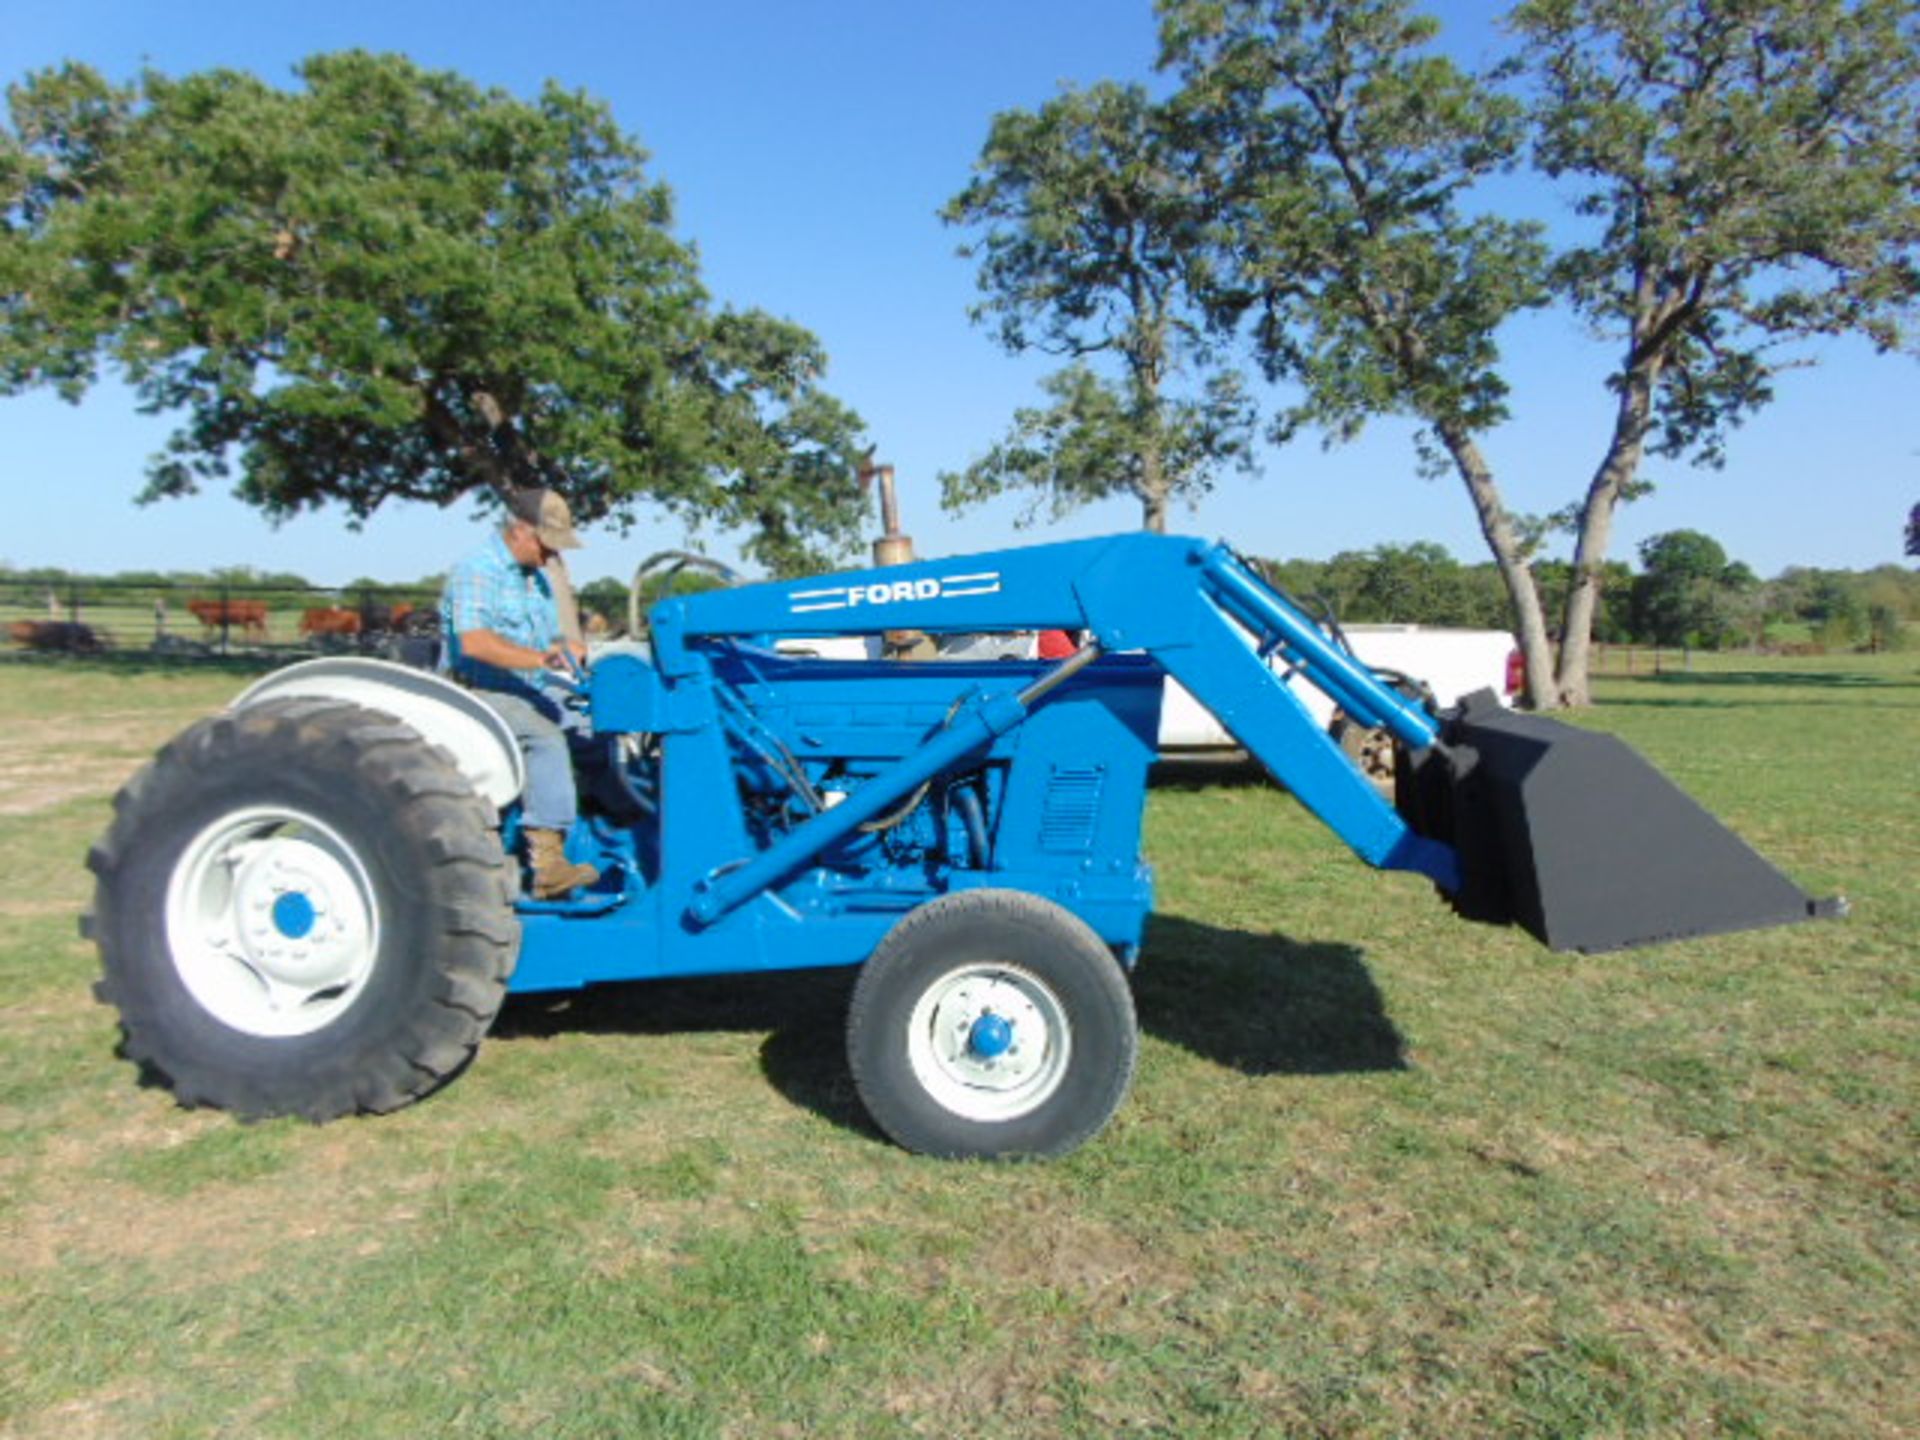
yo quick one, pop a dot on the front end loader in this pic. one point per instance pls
(307, 903)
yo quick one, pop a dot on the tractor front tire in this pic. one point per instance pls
(302, 908)
(991, 1024)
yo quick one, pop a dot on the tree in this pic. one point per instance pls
(1612, 620)
(1913, 531)
(1688, 593)
(1414, 583)
(1752, 170)
(1887, 595)
(1419, 583)
(1089, 223)
(1835, 608)
(1348, 148)
(390, 284)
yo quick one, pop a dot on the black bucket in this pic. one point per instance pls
(1574, 836)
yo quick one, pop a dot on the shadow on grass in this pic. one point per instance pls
(130, 664)
(1263, 1004)
(804, 1056)
(1231, 768)
(1725, 687)
(1259, 1004)
(1775, 679)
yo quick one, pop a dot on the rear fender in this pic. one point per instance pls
(443, 714)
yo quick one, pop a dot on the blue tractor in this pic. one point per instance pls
(308, 905)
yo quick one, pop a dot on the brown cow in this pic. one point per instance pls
(248, 616)
(329, 620)
(376, 616)
(68, 636)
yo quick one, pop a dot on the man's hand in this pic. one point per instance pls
(567, 659)
(491, 648)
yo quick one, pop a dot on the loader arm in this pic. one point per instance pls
(1174, 598)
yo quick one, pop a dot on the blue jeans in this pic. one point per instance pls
(542, 726)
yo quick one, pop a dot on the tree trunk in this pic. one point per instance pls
(565, 601)
(1153, 512)
(1152, 490)
(1572, 684)
(1152, 484)
(1523, 595)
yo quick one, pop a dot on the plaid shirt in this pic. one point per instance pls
(490, 590)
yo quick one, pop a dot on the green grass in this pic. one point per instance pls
(1381, 1173)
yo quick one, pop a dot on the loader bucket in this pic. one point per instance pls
(1575, 837)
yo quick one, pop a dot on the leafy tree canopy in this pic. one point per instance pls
(1687, 589)
(1346, 147)
(1752, 171)
(1090, 222)
(391, 284)
(1096, 439)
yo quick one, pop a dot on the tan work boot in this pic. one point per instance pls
(553, 874)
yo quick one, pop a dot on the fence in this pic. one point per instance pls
(279, 623)
(267, 622)
(1640, 660)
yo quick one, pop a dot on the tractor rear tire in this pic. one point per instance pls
(991, 1024)
(302, 908)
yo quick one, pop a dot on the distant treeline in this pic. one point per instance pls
(1685, 592)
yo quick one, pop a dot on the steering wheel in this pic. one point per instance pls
(663, 566)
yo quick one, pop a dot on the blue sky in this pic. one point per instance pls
(809, 145)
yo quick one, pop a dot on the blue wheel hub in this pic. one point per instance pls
(990, 1037)
(293, 915)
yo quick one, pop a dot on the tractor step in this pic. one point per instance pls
(609, 892)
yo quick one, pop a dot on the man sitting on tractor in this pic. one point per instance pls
(504, 641)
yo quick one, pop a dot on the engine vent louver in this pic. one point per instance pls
(1071, 810)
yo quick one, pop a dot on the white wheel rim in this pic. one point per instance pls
(271, 922)
(989, 1041)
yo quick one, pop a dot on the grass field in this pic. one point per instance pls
(1381, 1172)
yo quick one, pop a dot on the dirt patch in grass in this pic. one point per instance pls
(1094, 1264)
(30, 788)
(205, 1229)
(1014, 1386)
(101, 1415)
(46, 763)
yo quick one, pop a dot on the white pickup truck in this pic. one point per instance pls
(1451, 663)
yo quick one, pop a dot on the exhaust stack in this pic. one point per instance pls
(892, 548)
